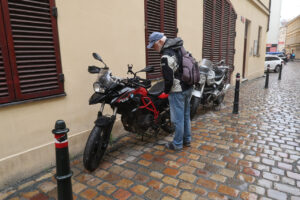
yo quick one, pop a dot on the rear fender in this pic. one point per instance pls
(197, 93)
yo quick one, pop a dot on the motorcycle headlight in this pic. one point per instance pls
(202, 79)
(210, 77)
(98, 88)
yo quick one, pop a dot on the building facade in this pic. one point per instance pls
(273, 34)
(293, 37)
(46, 47)
(281, 39)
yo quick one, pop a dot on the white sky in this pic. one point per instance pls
(290, 9)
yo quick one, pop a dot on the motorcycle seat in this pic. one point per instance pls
(157, 89)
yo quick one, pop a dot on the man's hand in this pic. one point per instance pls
(163, 96)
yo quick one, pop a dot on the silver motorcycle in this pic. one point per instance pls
(213, 84)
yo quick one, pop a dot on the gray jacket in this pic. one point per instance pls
(171, 69)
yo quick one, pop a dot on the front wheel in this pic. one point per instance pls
(195, 101)
(219, 100)
(95, 148)
(277, 68)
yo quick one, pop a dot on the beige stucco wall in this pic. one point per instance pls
(113, 28)
(281, 39)
(293, 37)
(257, 17)
(266, 2)
(190, 26)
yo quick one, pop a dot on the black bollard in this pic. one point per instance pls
(267, 77)
(63, 172)
(280, 72)
(236, 94)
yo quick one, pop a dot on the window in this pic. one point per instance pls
(272, 58)
(219, 31)
(30, 66)
(160, 15)
(257, 43)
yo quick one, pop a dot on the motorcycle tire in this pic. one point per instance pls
(220, 99)
(195, 101)
(94, 149)
(277, 68)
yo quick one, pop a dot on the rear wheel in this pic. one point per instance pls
(195, 101)
(94, 149)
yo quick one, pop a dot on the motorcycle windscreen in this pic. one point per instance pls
(104, 78)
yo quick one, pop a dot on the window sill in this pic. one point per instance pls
(32, 100)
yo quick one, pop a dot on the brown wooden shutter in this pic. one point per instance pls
(208, 9)
(219, 31)
(33, 47)
(225, 34)
(153, 23)
(6, 87)
(160, 16)
(170, 18)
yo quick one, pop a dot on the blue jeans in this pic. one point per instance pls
(180, 116)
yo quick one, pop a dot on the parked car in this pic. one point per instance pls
(274, 62)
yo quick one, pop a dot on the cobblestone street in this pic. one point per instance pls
(252, 155)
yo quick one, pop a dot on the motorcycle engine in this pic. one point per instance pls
(144, 121)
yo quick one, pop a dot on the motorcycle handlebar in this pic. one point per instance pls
(133, 82)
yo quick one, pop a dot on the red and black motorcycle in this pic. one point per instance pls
(142, 111)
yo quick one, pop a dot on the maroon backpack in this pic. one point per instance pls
(190, 70)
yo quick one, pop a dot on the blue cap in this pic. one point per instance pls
(154, 37)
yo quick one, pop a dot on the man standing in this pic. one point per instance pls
(179, 92)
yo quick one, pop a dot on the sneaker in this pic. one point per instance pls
(187, 144)
(171, 146)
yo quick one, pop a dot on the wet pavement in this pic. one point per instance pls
(252, 155)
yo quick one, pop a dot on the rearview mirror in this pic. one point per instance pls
(97, 57)
(149, 69)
